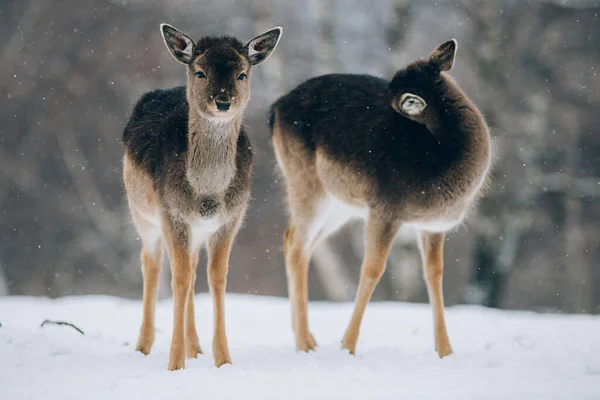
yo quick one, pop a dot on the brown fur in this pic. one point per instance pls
(418, 156)
(187, 169)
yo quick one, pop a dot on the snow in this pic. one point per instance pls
(498, 354)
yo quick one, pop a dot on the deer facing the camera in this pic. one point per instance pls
(187, 171)
(414, 151)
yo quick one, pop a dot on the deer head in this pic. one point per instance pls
(219, 69)
(413, 85)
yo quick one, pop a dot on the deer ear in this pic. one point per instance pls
(442, 58)
(412, 104)
(179, 44)
(261, 47)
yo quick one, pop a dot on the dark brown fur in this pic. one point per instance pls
(358, 146)
(187, 172)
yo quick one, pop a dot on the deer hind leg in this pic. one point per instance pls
(432, 252)
(176, 236)
(297, 259)
(219, 249)
(313, 220)
(379, 236)
(151, 265)
(191, 336)
(309, 214)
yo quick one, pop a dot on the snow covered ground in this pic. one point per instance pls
(498, 354)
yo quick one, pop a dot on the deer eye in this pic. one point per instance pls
(200, 74)
(242, 77)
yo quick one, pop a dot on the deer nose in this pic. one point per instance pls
(223, 106)
(223, 102)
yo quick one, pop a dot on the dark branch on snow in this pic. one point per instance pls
(61, 323)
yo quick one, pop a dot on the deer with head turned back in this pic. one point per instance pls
(187, 171)
(414, 151)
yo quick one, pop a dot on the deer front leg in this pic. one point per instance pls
(379, 235)
(219, 248)
(191, 339)
(432, 251)
(176, 238)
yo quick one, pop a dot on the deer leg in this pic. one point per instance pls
(309, 226)
(379, 235)
(176, 238)
(191, 336)
(151, 257)
(219, 248)
(432, 252)
(297, 259)
(151, 265)
(307, 201)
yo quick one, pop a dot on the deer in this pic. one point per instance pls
(413, 151)
(187, 169)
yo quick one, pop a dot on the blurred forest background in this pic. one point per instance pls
(70, 72)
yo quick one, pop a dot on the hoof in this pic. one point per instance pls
(219, 361)
(221, 354)
(144, 344)
(177, 359)
(444, 351)
(192, 351)
(306, 343)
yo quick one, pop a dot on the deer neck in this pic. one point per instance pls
(460, 128)
(211, 156)
(459, 125)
